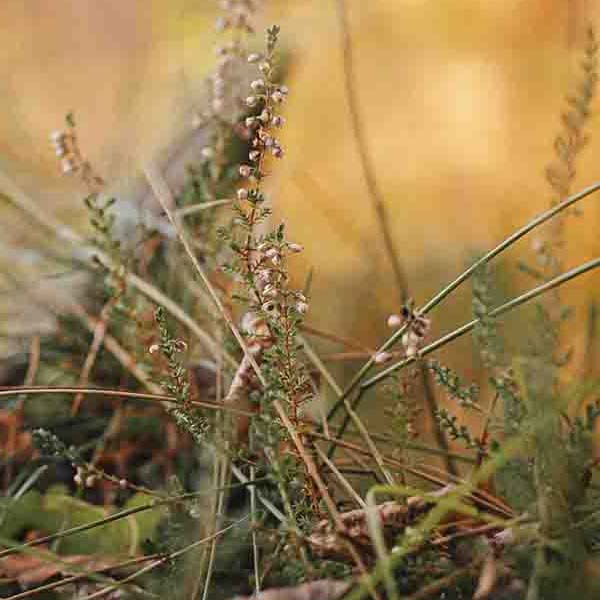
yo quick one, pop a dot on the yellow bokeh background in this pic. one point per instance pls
(460, 103)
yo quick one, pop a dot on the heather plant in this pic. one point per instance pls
(197, 461)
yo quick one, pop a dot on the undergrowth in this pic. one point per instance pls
(166, 445)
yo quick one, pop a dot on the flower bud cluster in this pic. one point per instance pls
(227, 83)
(417, 328)
(239, 15)
(265, 97)
(272, 278)
(65, 148)
(83, 477)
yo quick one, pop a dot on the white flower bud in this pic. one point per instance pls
(221, 24)
(538, 245)
(265, 116)
(254, 155)
(78, 479)
(394, 321)
(277, 152)
(122, 483)
(270, 291)
(264, 67)
(254, 57)
(382, 357)
(250, 122)
(207, 152)
(301, 307)
(245, 170)
(68, 165)
(180, 346)
(90, 480)
(58, 137)
(251, 101)
(277, 96)
(278, 121)
(293, 247)
(264, 275)
(257, 84)
(242, 194)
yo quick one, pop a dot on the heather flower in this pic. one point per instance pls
(394, 321)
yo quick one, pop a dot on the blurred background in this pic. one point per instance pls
(460, 102)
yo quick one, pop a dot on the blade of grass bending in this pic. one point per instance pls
(121, 394)
(446, 291)
(514, 303)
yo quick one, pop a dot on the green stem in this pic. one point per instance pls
(514, 303)
(446, 291)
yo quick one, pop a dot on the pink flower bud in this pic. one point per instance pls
(394, 321)
(382, 357)
(245, 170)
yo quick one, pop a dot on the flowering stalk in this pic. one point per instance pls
(260, 262)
